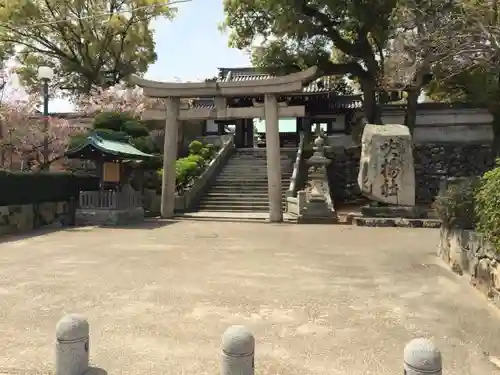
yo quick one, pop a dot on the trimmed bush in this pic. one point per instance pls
(487, 207)
(195, 148)
(455, 206)
(28, 188)
(191, 167)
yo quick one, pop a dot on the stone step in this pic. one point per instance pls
(243, 187)
(236, 201)
(246, 184)
(253, 163)
(261, 153)
(231, 207)
(234, 209)
(239, 166)
(249, 174)
(215, 195)
(248, 178)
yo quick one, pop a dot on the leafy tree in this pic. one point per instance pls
(340, 36)
(422, 40)
(478, 86)
(472, 75)
(88, 42)
(384, 45)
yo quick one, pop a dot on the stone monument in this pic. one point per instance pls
(319, 206)
(387, 173)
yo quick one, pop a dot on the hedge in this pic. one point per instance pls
(28, 188)
(455, 205)
(487, 199)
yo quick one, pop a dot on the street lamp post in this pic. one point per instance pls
(45, 74)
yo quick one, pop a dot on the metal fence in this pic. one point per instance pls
(109, 200)
(237, 354)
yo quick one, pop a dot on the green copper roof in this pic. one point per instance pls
(108, 147)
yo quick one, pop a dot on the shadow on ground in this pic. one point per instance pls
(32, 233)
(146, 224)
(96, 371)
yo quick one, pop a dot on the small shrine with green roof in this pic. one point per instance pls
(116, 202)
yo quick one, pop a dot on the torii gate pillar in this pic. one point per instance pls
(169, 157)
(273, 152)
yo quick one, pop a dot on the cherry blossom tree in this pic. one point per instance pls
(118, 98)
(25, 134)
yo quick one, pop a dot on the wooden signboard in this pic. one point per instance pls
(111, 172)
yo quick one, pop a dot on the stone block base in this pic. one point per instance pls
(109, 217)
(317, 212)
(393, 212)
(395, 222)
(316, 220)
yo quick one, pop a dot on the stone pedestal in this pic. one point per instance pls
(404, 212)
(319, 206)
(111, 217)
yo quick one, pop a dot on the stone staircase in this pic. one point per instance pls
(241, 186)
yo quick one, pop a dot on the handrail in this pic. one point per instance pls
(296, 166)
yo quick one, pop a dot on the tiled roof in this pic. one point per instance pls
(354, 101)
(319, 85)
(108, 146)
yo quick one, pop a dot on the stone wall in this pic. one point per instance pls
(22, 218)
(467, 253)
(435, 161)
(432, 163)
(343, 174)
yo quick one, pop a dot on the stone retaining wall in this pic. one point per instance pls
(432, 163)
(22, 218)
(466, 252)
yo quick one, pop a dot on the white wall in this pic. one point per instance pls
(447, 125)
(211, 127)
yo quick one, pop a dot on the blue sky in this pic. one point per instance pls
(189, 48)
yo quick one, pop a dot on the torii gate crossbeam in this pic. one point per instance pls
(270, 88)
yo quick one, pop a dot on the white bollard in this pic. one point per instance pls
(72, 345)
(422, 357)
(237, 351)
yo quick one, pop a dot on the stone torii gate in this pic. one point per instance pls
(172, 92)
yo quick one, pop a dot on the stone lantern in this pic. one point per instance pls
(319, 206)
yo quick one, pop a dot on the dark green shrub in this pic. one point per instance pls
(455, 206)
(487, 207)
(29, 188)
(144, 144)
(135, 128)
(112, 135)
(112, 120)
(77, 140)
(212, 150)
(195, 147)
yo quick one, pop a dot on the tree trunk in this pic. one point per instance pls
(370, 105)
(411, 109)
